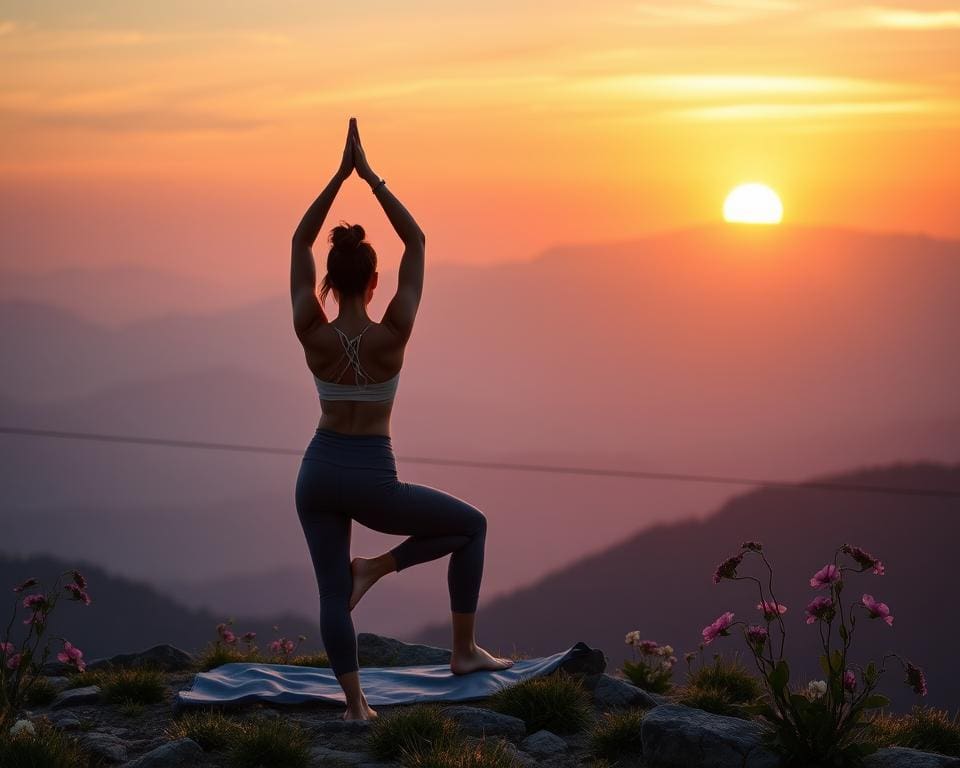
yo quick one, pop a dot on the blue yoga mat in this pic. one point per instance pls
(239, 682)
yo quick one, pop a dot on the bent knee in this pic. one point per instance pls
(478, 523)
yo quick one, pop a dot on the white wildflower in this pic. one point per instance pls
(633, 637)
(22, 725)
(816, 688)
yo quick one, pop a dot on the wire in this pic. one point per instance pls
(552, 468)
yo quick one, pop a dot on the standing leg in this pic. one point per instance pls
(436, 523)
(328, 539)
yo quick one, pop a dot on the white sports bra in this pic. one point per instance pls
(366, 388)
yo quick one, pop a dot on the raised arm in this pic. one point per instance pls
(402, 309)
(307, 311)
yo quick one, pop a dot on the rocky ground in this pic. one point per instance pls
(673, 736)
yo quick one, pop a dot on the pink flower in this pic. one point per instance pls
(80, 581)
(31, 600)
(757, 636)
(28, 583)
(72, 655)
(14, 661)
(864, 559)
(727, 569)
(6, 647)
(288, 646)
(826, 576)
(275, 646)
(850, 680)
(771, 609)
(718, 628)
(820, 608)
(648, 647)
(77, 593)
(916, 679)
(248, 636)
(877, 609)
(228, 637)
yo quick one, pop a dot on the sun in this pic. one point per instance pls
(753, 203)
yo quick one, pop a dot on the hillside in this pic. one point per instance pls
(659, 581)
(126, 615)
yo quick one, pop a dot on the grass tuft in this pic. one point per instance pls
(711, 699)
(728, 678)
(405, 733)
(483, 753)
(216, 654)
(132, 686)
(557, 702)
(617, 735)
(925, 728)
(211, 729)
(49, 748)
(40, 693)
(274, 743)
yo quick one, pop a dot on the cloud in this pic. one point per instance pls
(876, 16)
(7, 27)
(706, 12)
(718, 86)
(779, 111)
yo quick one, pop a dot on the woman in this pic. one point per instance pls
(348, 471)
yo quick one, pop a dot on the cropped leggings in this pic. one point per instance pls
(354, 477)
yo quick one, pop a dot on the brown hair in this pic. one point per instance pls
(350, 263)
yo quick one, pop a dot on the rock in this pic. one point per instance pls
(675, 736)
(902, 757)
(64, 721)
(611, 692)
(109, 747)
(587, 661)
(543, 744)
(520, 757)
(173, 754)
(56, 669)
(379, 651)
(167, 658)
(338, 726)
(73, 696)
(321, 755)
(477, 721)
(58, 681)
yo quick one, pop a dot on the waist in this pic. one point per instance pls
(370, 451)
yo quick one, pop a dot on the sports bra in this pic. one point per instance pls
(366, 389)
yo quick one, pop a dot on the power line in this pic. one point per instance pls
(551, 468)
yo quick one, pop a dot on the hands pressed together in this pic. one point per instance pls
(355, 157)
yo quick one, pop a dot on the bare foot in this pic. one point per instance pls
(365, 575)
(366, 712)
(477, 659)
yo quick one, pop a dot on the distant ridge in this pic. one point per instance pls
(659, 581)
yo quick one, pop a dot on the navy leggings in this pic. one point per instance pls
(354, 477)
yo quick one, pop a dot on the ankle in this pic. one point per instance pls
(464, 648)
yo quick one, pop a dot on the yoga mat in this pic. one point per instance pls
(239, 682)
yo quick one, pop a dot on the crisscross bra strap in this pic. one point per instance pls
(351, 349)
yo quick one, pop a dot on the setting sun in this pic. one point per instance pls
(753, 204)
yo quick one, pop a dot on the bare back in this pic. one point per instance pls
(380, 354)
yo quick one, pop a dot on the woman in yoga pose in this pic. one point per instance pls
(348, 470)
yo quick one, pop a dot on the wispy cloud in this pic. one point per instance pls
(883, 17)
(706, 12)
(800, 111)
(719, 86)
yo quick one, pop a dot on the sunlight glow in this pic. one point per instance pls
(753, 203)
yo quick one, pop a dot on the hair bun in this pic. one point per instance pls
(347, 236)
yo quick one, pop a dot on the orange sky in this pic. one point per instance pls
(194, 135)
